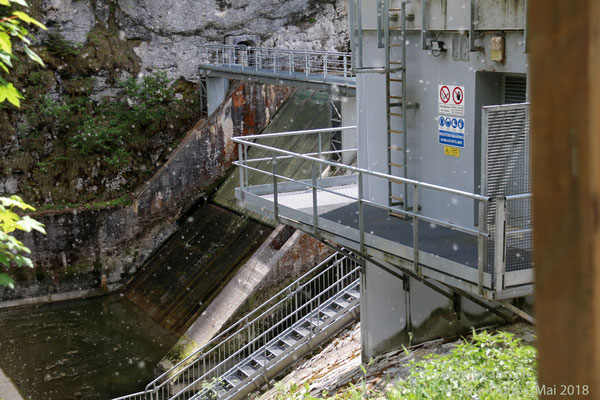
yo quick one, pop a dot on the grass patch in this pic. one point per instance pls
(118, 202)
(485, 367)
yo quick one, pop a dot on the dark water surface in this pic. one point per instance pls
(95, 348)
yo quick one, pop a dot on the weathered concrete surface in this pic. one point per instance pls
(283, 256)
(85, 249)
(8, 391)
(179, 282)
(206, 153)
(90, 249)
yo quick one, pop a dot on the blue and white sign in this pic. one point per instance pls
(451, 131)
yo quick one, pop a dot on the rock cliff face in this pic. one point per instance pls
(91, 46)
(169, 32)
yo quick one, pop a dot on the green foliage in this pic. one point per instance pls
(12, 251)
(58, 46)
(139, 106)
(487, 367)
(11, 26)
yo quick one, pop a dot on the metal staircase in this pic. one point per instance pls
(395, 75)
(269, 339)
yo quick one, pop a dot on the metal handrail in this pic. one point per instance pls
(480, 231)
(260, 339)
(236, 325)
(307, 63)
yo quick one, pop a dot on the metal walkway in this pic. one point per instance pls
(269, 339)
(319, 70)
(491, 259)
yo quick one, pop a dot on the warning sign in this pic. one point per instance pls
(452, 100)
(451, 151)
(451, 131)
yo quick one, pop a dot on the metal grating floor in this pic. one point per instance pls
(433, 239)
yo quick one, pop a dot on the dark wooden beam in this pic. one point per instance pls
(564, 45)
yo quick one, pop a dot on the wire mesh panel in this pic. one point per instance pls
(506, 172)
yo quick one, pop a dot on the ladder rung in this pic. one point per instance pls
(396, 69)
(395, 131)
(396, 165)
(396, 62)
(395, 114)
(395, 9)
(395, 80)
(395, 97)
(395, 104)
(397, 198)
(395, 45)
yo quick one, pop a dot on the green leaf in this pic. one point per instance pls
(4, 3)
(21, 2)
(26, 18)
(5, 279)
(5, 43)
(10, 93)
(33, 56)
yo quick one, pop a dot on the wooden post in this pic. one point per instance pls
(564, 45)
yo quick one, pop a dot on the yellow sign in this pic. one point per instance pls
(451, 151)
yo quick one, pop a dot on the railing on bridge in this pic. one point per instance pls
(337, 208)
(307, 64)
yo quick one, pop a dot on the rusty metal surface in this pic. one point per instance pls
(206, 153)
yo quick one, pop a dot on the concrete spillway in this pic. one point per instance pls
(175, 286)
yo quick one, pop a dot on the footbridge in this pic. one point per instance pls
(317, 70)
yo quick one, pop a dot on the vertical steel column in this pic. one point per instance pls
(500, 243)
(403, 108)
(481, 246)
(423, 24)
(241, 158)
(380, 43)
(315, 204)
(361, 214)
(275, 194)
(473, 11)
(290, 63)
(352, 26)
(416, 229)
(360, 33)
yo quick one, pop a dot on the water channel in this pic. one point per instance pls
(96, 348)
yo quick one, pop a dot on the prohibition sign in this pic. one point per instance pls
(445, 94)
(457, 95)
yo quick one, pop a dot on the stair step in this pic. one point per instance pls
(247, 370)
(289, 341)
(329, 312)
(300, 332)
(341, 303)
(275, 350)
(354, 293)
(258, 361)
(232, 380)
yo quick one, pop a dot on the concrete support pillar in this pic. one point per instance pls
(564, 40)
(349, 117)
(216, 90)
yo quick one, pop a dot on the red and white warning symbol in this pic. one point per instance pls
(451, 100)
(444, 94)
(457, 95)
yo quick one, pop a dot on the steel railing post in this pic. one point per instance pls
(325, 61)
(361, 214)
(481, 246)
(290, 62)
(315, 205)
(306, 64)
(241, 158)
(275, 199)
(500, 243)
